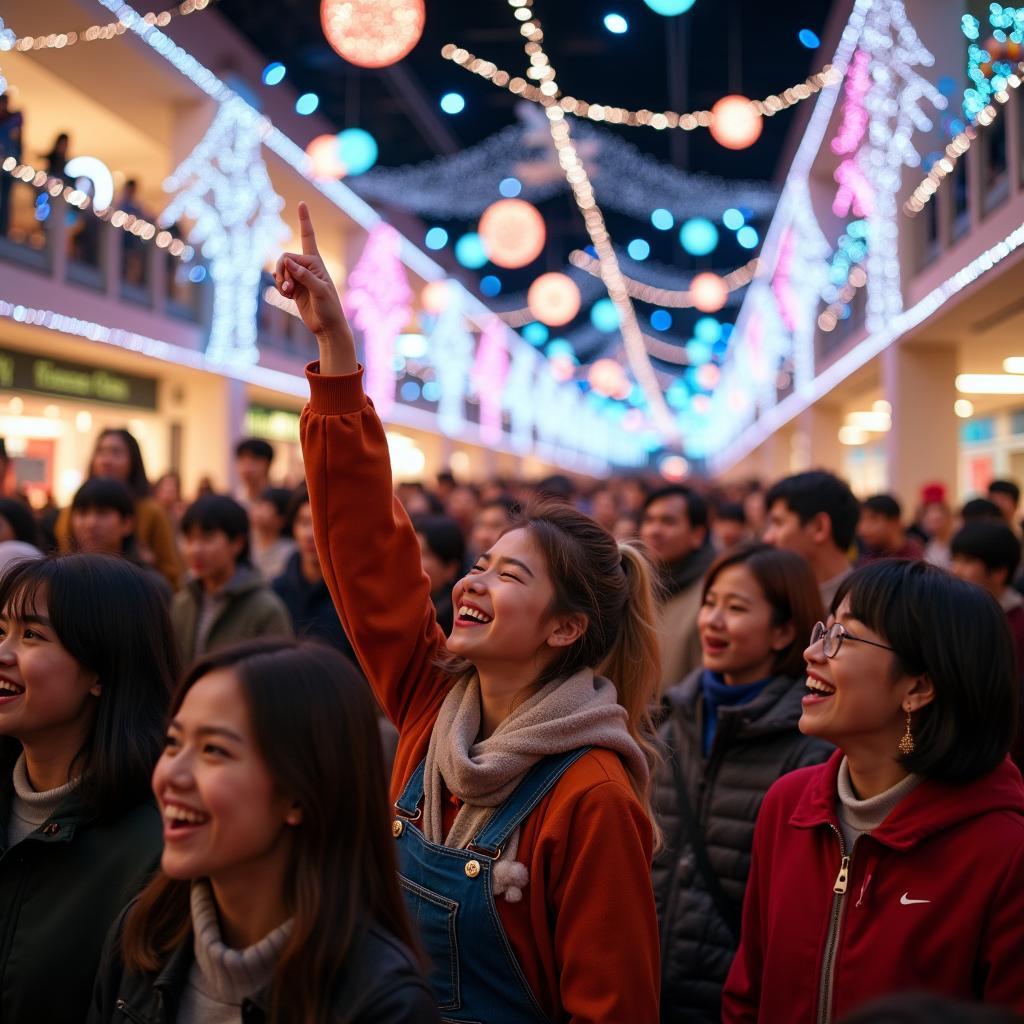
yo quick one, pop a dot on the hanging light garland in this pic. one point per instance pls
(98, 33)
(543, 93)
(583, 192)
(958, 146)
(121, 219)
(673, 298)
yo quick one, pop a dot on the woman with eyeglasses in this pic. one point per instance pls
(728, 734)
(898, 865)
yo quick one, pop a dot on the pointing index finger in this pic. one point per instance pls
(306, 232)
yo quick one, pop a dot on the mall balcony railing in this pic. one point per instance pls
(75, 248)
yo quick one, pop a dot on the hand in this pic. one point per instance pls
(304, 278)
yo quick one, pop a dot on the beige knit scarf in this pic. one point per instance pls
(564, 715)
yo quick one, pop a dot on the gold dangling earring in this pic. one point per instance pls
(906, 744)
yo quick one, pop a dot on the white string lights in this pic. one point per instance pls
(659, 120)
(116, 217)
(583, 192)
(99, 33)
(958, 146)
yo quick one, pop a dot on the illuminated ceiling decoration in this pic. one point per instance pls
(223, 187)
(767, 107)
(97, 33)
(583, 192)
(372, 33)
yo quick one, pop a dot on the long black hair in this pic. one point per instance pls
(112, 620)
(138, 482)
(21, 520)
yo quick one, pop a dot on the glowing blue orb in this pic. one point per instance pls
(436, 238)
(733, 219)
(670, 8)
(707, 328)
(663, 220)
(307, 103)
(453, 103)
(678, 395)
(604, 316)
(410, 391)
(698, 236)
(431, 391)
(748, 237)
(490, 286)
(197, 275)
(510, 187)
(639, 249)
(273, 74)
(699, 351)
(561, 347)
(536, 334)
(358, 150)
(661, 319)
(809, 39)
(616, 24)
(470, 252)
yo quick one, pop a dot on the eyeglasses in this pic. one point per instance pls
(834, 636)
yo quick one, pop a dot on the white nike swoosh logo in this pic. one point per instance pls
(907, 902)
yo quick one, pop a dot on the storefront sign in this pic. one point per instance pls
(20, 371)
(272, 424)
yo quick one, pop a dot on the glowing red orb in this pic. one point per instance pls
(372, 33)
(513, 233)
(709, 292)
(735, 122)
(607, 377)
(435, 297)
(325, 153)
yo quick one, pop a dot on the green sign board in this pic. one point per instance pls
(272, 424)
(20, 371)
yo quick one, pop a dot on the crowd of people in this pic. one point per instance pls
(656, 753)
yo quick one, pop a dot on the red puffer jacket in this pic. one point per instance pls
(932, 900)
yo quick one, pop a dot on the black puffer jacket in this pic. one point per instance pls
(754, 744)
(381, 985)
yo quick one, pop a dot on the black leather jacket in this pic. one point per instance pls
(381, 985)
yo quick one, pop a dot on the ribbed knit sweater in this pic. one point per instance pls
(856, 816)
(222, 978)
(30, 808)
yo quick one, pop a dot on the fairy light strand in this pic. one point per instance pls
(583, 193)
(100, 33)
(659, 120)
(958, 146)
(120, 219)
(670, 297)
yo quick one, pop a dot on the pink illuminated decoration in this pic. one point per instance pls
(855, 190)
(451, 353)
(372, 33)
(490, 371)
(788, 300)
(379, 303)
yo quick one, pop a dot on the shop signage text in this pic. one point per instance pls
(20, 371)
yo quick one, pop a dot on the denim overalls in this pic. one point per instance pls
(475, 976)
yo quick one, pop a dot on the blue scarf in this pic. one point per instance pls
(717, 693)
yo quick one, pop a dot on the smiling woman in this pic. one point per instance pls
(911, 837)
(86, 661)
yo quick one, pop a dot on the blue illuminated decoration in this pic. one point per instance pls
(698, 236)
(409, 391)
(431, 391)
(639, 249)
(678, 395)
(733, 219)
(453, 103)
(663, 220)
(1007, 28)
(536, 334)
(273, 74)
(699, 351)
(748, 237)
(435, 238)
(307, 103)
(490, 286)
(197, 274)
(616, 24)
(808, 38)
(470, 252)
(670, 8)
(604, 316)
(707, 328)
(661, 319)
(358, 150)
(510, 187)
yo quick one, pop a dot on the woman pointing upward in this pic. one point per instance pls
(521, 780)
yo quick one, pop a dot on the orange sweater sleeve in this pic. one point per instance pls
(368, 549)
(601, 900)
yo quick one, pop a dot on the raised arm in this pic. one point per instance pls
(368, 550)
